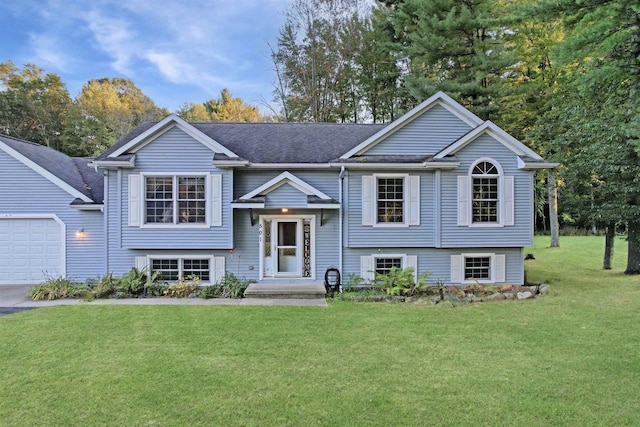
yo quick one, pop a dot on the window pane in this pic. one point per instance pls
(485, 198)
(191, 200)
(477, 268)
(159, 199)
(196, 267)
(168, 269)
(390, 205)
(384, 265)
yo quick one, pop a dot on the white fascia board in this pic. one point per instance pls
(230, 163)
(43, 172)
(289, 165)
(439, 98)
(323, 206)
(415, 166)
(498, 134)
(247, 205)
(536, 165)
(284, 178)
(88, 207)
(163, 126)
(127, 164)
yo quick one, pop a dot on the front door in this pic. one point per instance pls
(286, 246)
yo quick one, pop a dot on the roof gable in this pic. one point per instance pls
(282, 179)
(162, 127)
(58, 168)
(495, 132)
(439, 98)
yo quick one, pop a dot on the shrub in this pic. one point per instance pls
(400, 281)
(184, 288)
(232, 286)
(212, 291)
(58, 288)
(101, 287)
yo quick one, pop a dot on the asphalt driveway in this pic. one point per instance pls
(11, 296)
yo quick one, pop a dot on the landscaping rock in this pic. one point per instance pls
(496, 297)
(398, 298)
(376, 298)
(508, 295)
(544, 289)
(524, 295)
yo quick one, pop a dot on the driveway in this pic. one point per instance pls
(11, 296)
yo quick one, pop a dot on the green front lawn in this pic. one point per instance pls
(571, 357)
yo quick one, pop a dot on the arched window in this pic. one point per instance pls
(485, 193)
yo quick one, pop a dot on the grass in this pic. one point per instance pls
(571, 357)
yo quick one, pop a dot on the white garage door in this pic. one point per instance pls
(30, 250)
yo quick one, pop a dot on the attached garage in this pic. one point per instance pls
(31, 249)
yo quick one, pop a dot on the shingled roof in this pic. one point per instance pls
(277, 142)
(72, 171)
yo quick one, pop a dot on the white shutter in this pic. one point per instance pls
(368, 184)
(463, 200)
(508, 205)
(141, 263)
(366, 268)
(414, 200)
(412, 262)
(500, 269)
(215, 204)
(135, 200)
(218, 269)
(457, 271)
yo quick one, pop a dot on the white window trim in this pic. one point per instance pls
(369, 275)
(405, 200)
(502, 197)
(175, 176)
(493, 268)
(180, 259)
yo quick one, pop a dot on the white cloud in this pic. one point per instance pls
(113, 36)
(48, 53)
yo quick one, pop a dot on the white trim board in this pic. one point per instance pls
(164, 126)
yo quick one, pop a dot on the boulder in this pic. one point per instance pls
(496, 297)
(524, 295)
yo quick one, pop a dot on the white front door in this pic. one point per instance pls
(286, 244)
(287, 247)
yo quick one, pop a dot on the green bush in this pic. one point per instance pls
(103, 287)
(232, 286)
(400, 281)
(58, 288)
(212, 291)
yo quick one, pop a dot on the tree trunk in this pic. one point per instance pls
(554, 226)
(633, 257)
(608, 245)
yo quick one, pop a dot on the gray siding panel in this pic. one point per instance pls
(518, 235)
(358, 235)
(176, 152)
(246, 181)
(438, 261)
(23, 191)
(286, 196)
(426, 134)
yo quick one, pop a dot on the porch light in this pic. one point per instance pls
(285, 210)
(80, 233)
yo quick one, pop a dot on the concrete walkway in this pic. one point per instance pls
(16, 297)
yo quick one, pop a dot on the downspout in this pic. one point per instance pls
(105, 218)
(340, 196)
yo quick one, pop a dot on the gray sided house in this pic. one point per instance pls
(437, 190)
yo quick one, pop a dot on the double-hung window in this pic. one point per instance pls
(478, 267)
(175, 200)
(390, 200)
(174, 269)
(484, 206)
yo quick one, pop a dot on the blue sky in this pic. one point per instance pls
(174, 51)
